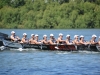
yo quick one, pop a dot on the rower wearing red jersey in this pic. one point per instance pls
(31, 41)
(92, 41)
(82, 41)
(76, 40)
(68, 41)
(14, 37)
(52, 39)
(60, 39)
(36, 41)
(24, 39)
(44, 41)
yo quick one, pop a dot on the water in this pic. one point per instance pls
(36, 62)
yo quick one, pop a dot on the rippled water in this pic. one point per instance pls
(37, 62)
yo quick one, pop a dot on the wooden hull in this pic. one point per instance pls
(51, 47)
(63, 47)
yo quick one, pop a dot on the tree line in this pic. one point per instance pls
(49, 14)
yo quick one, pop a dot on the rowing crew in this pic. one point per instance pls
(35, 39)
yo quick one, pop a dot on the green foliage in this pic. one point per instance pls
(36, 14)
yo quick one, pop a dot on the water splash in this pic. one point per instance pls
(21, 49)
(2, 47)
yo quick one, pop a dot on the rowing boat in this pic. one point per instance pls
(61, 47)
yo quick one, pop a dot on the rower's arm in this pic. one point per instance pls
(50, 42)
(30, 41)
(37, 42)
(59, 40)
(12, 38)
(18, 38)
(24, 41)
(45, 42)
(76, 42)
(67, 42)
(81, 42)
(92, 42)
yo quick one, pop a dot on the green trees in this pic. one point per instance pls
(49, 14)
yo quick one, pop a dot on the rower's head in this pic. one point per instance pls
(51, 36)
(68, 36)
(60, 35)
(36, 36)
(76, 36)
(32, 35)
(81, 37)
(24, 34)
(94, 36)
(12, 32)
(45, 37)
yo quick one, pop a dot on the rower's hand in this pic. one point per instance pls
(40, 42)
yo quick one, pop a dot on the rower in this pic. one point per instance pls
(36, 41)
(76, 41)
(24, 39)
(68, 42)
(60, 39)
(31, 41)
(14, 37)
(82, 41)
(52, 39)
(92, 41)
(44, 41)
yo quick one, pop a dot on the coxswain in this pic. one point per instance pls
(82, 41)
(76, 40)
(92, 41)
(68, 40)
(24, 39)
(60, 39)
(13, 37)
(31, 41)
(36, 41)
(52, 40)
(44, 41)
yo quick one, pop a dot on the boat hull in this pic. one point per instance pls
(63, 47)
(51, 47)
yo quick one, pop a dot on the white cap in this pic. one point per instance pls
(44, 35)
(24, 34)
(60, 34)
(67, 35)
(81, 36)
(99, 36)
(94, 35)
(12, 32)
(51, 35)
(75, 36)
(32, 34)
(36, 35)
